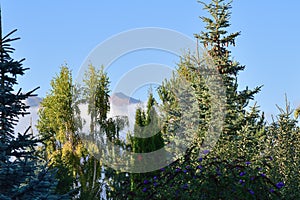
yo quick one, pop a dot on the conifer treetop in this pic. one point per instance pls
(216, 37)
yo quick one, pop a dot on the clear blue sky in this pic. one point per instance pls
(59, 31)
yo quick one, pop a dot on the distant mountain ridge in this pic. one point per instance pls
(119, 102)
(33, 101)
(120, 99)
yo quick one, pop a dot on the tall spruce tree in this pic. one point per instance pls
(217, 40)
(242, 133)
(22, 173)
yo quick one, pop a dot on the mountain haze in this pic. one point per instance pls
(121, 105)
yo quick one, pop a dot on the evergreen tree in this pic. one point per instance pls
(217, 40)
(242, 133)
(59, 124)
(22, 174)
(146, 123)
(283, 149)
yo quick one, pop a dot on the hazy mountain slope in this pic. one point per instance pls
(121, 105)
(24, 122)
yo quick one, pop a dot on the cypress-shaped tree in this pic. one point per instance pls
(146, 123)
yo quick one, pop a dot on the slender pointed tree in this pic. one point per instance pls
(146, 122)
(58, 123)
